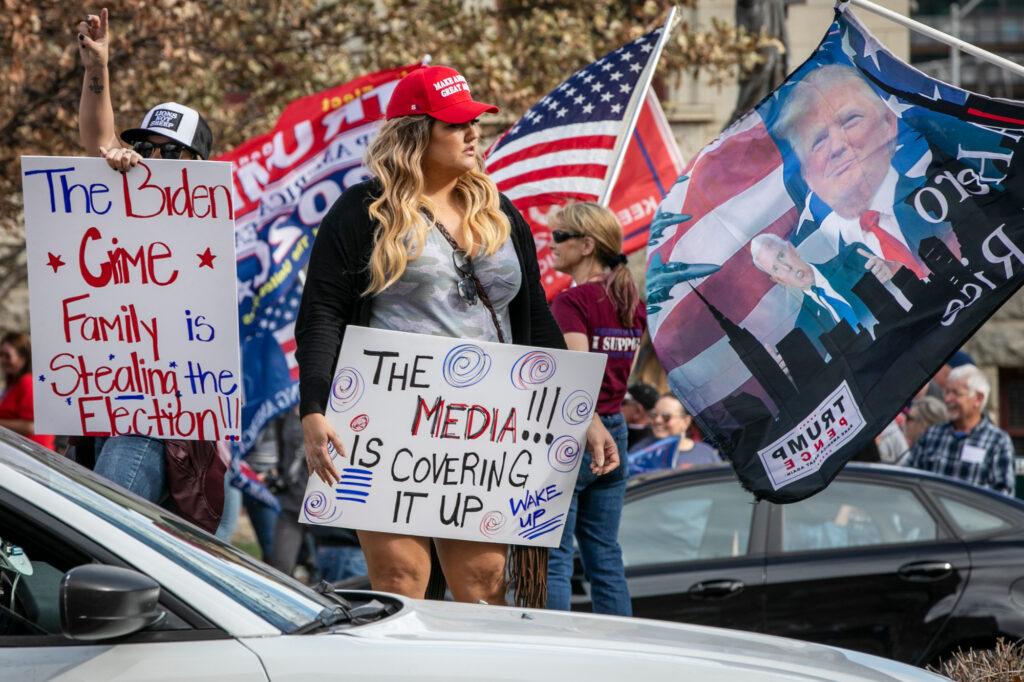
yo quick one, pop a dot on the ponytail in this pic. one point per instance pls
(622, 290)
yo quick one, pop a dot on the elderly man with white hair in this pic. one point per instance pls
(968, 446)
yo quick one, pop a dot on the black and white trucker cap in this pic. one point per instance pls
(177, 122)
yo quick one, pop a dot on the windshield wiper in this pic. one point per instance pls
(325, 619)
(344, 612)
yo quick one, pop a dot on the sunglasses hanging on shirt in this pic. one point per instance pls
(470, 288)
(467, 282)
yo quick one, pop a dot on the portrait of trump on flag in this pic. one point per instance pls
(841, 241)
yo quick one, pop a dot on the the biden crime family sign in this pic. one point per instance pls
(455, 439)
(133, 299)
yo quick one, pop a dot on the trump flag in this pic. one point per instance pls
(819, 261)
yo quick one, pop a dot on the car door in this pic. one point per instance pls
(182, 646)
(694, 552)
(866, 564)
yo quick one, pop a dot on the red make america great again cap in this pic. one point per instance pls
(438, 92)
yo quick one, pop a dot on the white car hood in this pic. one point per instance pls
(540, 643)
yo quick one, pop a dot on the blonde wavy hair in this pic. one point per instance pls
(395, 157)
(592, 220)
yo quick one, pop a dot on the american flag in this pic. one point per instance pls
(279, 320)
(562, 149)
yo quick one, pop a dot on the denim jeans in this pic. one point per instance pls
(264, 520)
(593, 519)
(232, 509)
(338, 562)
(262, 517)
(133, 462)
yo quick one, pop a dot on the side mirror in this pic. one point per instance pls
(103, 602)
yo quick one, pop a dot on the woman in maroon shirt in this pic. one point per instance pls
(603, 313)
(16, 412)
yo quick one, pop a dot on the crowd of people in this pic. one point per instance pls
(429, 245)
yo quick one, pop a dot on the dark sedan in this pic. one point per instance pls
(894, 562)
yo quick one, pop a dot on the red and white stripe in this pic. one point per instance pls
(285, 337)
(569, 161)
(737, 191)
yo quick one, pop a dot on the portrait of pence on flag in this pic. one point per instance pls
(819, 261)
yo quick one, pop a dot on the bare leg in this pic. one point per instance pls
(475, 570)
(397, 563)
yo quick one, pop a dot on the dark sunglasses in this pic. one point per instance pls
(168, 150)
(559, 236)
(467, 283)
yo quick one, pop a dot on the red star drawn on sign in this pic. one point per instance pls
(206, 258)
(55, 261)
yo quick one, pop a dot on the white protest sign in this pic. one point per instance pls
(133, 299)
(453, 439)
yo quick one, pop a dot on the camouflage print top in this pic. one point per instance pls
(426, 299)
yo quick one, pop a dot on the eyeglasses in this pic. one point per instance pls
(168, 150)
(559, 236)
(467, 284)
(667, 416)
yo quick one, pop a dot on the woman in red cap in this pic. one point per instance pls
(427, 246)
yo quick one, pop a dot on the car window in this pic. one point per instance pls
(708, 521)
(33, 562)
(970, 520)
(847, 514)
(278, 599)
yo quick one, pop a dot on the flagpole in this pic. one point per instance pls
(637, 105)
(935, 34)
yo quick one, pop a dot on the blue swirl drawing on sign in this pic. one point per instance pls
(532, 369)
(577, 407)
(564, 454)
(465, 365)
(351, 480)
(346, 389)
(317, 508)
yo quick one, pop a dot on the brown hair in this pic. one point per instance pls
(23, 346)
(598, 223)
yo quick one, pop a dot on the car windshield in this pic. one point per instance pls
(283, 602)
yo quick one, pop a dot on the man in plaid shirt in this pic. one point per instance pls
(969, 446)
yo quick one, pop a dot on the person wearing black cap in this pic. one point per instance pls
(190, 472)
(428, 246)
(637, 404)
(603, 313)
(168, 131)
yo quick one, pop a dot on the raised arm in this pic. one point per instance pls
(95, 111)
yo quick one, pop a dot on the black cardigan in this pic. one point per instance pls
(339, 274)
